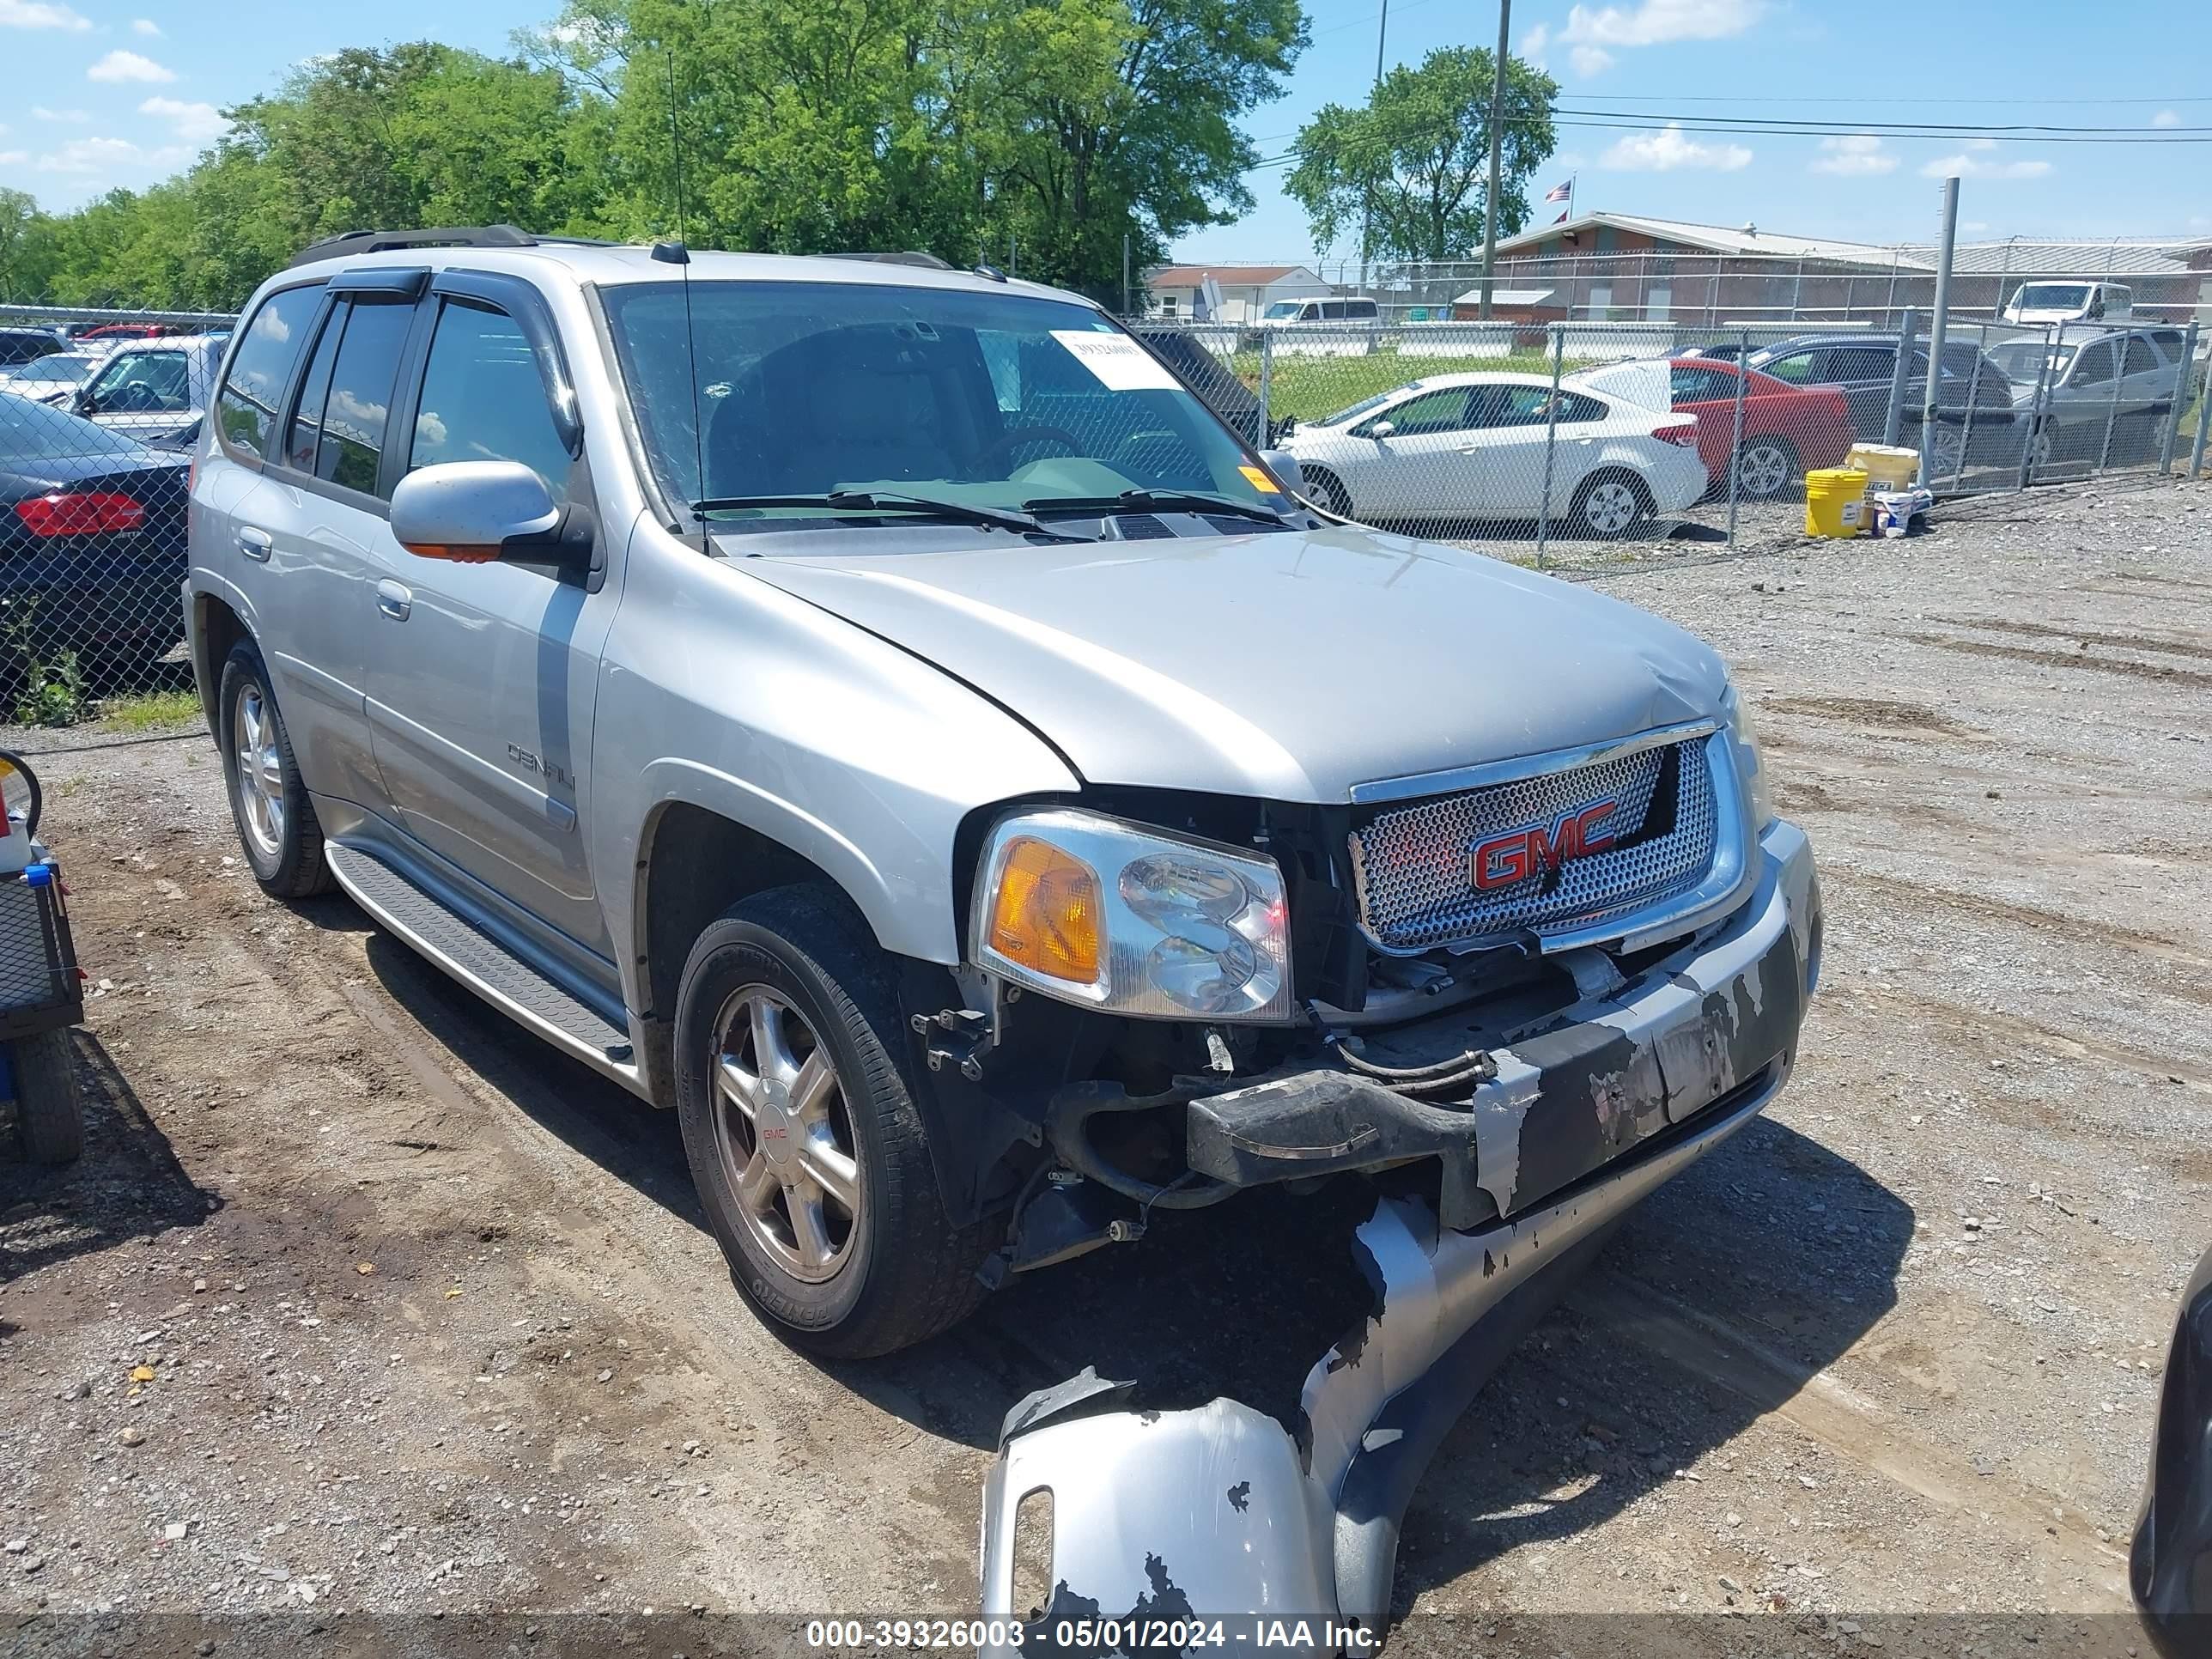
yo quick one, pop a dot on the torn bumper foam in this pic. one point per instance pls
(1221, 1512)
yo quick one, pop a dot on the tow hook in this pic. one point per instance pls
(956, 1034)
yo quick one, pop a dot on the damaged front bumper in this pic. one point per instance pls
(1221, 1512)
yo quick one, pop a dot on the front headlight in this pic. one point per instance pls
(1133, 921)
(1750, 763)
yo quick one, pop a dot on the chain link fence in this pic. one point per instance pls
(1550, 441)
(100, 413)
(1562, 444)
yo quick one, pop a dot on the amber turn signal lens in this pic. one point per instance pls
(1046, 915)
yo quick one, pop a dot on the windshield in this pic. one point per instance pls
(991, 400)
(2052, 297)
(59, 369)
(1367, 403)
(1283, 309)
(2024, 360)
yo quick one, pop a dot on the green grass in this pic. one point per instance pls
(147, 711)
(1311, 387)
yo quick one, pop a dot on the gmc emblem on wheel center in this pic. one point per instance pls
(1507, 860)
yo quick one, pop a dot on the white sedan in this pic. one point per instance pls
(1472, 447)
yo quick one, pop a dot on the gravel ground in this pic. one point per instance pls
(363, 1301)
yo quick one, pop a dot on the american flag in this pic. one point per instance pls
(1564, 193)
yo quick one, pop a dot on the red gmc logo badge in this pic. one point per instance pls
(1513, 857)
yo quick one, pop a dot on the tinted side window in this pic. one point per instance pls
(1363, 309)
(250, 392)
(307, 419)
(2141, 359)
(482, 399)
(1847, 364)
(1432, 411)
(1573, 407)
(2094, 366)
(360, 400)
(1332, 310)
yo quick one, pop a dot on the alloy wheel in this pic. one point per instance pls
(1610, 507)
(1762, 471)
(260, 772)
(784, 1135)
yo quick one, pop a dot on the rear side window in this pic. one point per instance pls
(245, 408)
(1359, 310)
(2141, 358)
(483, 399)
(359, 401)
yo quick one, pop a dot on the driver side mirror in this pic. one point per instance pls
(87, 404)
(475, 512)
(1382, 428)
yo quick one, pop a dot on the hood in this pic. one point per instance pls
(1286, 666)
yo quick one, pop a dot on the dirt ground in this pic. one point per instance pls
(424, 1317)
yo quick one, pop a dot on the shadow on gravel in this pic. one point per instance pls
(602, 1121)
(128, 1184)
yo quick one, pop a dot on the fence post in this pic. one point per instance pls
(1892, 422)
(1735, 438)
(1267, 376)
(2054, 342)
(1941, 315)
(1551, 444)
(2120, 349)
(2204, 425)
(2187, 367)
(1973, 391)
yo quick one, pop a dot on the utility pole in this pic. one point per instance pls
(1936, 327)
(1367, 213)
(1125, 273)
(1497, 150)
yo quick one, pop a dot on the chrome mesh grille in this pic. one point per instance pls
(1416, 862)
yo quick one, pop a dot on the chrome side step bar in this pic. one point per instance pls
(519, 990)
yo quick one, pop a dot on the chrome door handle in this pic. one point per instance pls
(255, 542)
(393, 600)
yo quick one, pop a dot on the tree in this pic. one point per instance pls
(1413, 165)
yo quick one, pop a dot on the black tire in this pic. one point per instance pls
(1580, 513)
(1326, 491)
(1773, 484)
(49, 1106)
(909, 1272)
(293, 867)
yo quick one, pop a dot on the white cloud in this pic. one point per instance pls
(73, 117)
(196, 123)
(1590, 60)
(1535, 40)
(146, 25)
(1972, 166)
(89, 155)
(1667, 150)
(41, 14)
(1859, 155)
(13, 158)
(2165, 117)
(126, 66)
(1656, 22)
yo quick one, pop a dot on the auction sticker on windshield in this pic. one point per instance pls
(1120, 363)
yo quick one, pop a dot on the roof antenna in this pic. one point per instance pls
(677, 253)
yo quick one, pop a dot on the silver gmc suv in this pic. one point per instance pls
(879, 712)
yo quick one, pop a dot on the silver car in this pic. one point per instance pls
(153, 389)
(877, 712)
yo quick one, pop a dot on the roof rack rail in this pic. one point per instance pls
(926, 261)
(379, 242)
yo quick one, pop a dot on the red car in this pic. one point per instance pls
(124, 331)
(1788, 430)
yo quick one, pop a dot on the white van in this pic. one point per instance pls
(2071, 302)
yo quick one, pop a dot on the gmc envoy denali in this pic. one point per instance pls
(879, 712)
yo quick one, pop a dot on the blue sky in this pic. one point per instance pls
(102, 96)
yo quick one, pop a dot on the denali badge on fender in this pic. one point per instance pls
(1505, 860)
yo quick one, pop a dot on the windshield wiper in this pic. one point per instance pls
(866, 501)
(1157, 501)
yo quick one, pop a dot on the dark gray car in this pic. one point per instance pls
(1864, 365)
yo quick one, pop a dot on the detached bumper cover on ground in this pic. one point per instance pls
(1222, 1511)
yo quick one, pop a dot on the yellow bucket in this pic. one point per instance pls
(1887, 466)
(1835, 501)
